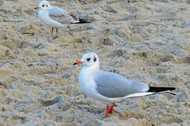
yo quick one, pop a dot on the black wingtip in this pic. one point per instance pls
(83, 21)
(160, 89)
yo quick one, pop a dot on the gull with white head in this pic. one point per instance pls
(56, 17)
(110, 87)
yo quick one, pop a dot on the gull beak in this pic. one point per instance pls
(36, 8)
(77, 62)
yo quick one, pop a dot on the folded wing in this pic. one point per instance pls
(113, 85)
(56, 11)
(61, 15)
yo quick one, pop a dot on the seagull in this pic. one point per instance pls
(110, 87)
(56, 17)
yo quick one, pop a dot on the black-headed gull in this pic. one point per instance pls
(56, 17)
(110, 87)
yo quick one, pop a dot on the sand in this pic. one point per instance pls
(145, 40)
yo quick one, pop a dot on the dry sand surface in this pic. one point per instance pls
(145, 40)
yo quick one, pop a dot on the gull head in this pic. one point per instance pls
(88, 60)
(44, 4)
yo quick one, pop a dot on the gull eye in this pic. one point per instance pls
(95, 59)
(43, 5)
(46, 5)
(88, 59)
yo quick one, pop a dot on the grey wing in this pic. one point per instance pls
(56, 11)
(60, 15)
(113, 85)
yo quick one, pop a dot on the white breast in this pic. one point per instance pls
(87, 84)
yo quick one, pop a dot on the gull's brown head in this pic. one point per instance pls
(44, 4)
(88, 59)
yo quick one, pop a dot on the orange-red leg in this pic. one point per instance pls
(109, 109)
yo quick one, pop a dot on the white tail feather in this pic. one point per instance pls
(139, 94)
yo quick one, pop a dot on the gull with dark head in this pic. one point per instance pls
(110, 87)
(56, 17)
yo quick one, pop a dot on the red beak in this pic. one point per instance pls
(77, 62)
